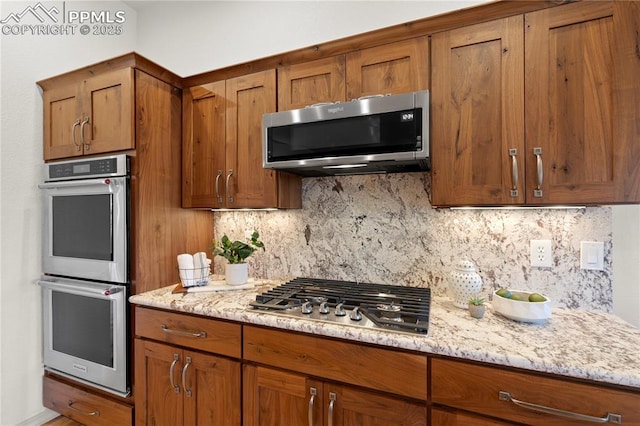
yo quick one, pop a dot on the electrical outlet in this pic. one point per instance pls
(540, 252)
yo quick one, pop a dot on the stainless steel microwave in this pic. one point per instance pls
(379, 134)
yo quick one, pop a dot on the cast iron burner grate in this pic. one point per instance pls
(392, 307)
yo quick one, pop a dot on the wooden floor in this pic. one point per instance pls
(61, 421)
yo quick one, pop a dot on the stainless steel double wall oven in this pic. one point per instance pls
(86, 281)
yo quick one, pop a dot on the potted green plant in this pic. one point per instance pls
(476, 307)
(236, 252)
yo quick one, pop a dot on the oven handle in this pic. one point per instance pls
(79, 183)
(103, 290)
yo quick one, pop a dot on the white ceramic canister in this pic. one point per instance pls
(464, 283)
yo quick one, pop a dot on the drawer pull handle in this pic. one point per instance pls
(218, 197)
(175, 387)
(183, 333)
(513, 153)
(537, 192)
(226, 186)
(332, 399)
(609, 418)
(86, 413)
(312, 400)
(184, 377)
(84, 142)
(73, 134)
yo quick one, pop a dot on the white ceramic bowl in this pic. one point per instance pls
(524, 310)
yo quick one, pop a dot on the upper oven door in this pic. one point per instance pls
(86, 229)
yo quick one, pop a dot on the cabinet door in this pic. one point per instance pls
(347, 406)
(211, 390)
(477, 144)
(388, 69)
(61, 123)
(448, 417)
(158, 391)
(248, 97)
(203, 146)
(107, 112)
(273, 398)
(310, 83)
(583, 107)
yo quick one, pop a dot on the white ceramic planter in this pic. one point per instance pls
(464, 283)
(236, 273)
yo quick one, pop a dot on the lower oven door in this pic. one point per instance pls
(85, 332)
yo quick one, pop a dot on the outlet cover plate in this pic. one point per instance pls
(540, 251)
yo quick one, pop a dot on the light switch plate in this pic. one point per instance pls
(592, 255)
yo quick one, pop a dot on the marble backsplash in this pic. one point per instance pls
(381, 228)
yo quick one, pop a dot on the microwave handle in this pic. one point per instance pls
(77, 183)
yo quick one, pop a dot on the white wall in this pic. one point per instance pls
(194, 37)
(26, 59)
(185, 37)
(626, 263)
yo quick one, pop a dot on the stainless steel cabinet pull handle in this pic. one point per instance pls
(514, 172)
(226, 187)
(86, 413)
(184, 377)
(312, 400)
(538, 153)
(609, 418)
(332, 401)
(218, 197)
(73, 134)
(182, 333)
(84, 142)
(175, 387)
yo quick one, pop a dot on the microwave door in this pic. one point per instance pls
(86, 228)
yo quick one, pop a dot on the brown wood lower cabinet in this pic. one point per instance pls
(84, 407)
(182, 387)
(446, 417)
(534, 399)
(274, 397)
(181, 374)
(298, 379)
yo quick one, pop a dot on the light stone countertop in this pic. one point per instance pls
(587, 345)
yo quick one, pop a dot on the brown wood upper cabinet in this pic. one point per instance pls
(222, 146)
(91, 116)
(387, 69)
(551, 119)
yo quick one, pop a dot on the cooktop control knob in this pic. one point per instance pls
(355, 314)
(340, 312)
(323, 309)
(306, 308)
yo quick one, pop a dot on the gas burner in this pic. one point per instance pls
(390, 307)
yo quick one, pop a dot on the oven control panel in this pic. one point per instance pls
(111, 166)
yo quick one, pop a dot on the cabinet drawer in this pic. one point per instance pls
(206, 334)
(382, 369)
(84, 407)
(476, 388)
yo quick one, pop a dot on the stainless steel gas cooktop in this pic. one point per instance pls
(389, 307)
